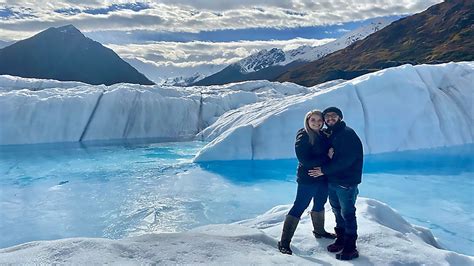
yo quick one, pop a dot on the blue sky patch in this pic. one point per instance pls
(10, 13)
(116, 7)
(250, 34)
(104, 10)
(68, 11)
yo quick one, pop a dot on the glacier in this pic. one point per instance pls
(395, 109)
(401, 108)
(8, 83)
(36, 111)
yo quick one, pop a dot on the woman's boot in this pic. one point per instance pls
(318, 225)
(289, 227)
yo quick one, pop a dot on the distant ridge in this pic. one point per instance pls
(183, 81)
(270, 64)
(442, 33)
(65, 54)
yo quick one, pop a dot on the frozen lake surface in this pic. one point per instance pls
(114, 191)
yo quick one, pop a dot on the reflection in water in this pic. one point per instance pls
(439, 161)
(242, 172)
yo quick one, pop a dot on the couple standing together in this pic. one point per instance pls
(330, 164)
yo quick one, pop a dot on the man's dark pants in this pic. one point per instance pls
(342, 200)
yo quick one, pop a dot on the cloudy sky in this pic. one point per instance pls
(179, 37)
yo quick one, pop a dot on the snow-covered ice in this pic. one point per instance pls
(401, 108)
(52, 113)
(391, 110)
(385, 238)
(8, 82)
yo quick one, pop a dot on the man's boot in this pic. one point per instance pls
(338, 245)
(289, 227)
(318, 225)
(349, 252)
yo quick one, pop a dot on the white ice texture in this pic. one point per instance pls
(402, 108)
(8, 83)
(384, 239)
(37, 111)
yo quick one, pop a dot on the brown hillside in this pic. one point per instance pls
(442, 33)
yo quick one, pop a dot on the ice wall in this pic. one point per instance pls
(45, 111)
(8, 82)
(395, 109)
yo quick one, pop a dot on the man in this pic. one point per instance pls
(344, 173)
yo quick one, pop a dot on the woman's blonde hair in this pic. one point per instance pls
(311, 133)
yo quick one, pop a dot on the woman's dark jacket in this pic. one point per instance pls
(310, 156)
(345, 168)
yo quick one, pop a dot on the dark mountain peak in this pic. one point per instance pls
(68, 29)
(67, 33)
(65, 54)
(63, 30)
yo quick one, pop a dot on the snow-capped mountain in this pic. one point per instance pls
(442, 33)
(262, 59)
(183, 81)
(275, 56)
(269, 64)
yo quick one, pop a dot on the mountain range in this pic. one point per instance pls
(183, 81)
(442, 33)
(65, 54)
(269, 64)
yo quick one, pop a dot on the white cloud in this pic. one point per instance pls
(161, 60)
(188, 53)
(199, 15)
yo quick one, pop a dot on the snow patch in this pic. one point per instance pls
(384, 238)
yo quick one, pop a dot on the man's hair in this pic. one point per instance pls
(334, 110)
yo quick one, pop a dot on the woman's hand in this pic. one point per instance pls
(331, 153)
(315, 172)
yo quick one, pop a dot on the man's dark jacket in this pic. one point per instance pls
(310, 156)
(345, 168)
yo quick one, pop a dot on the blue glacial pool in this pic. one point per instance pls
(114, 191)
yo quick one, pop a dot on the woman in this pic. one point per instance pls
(311, 149)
